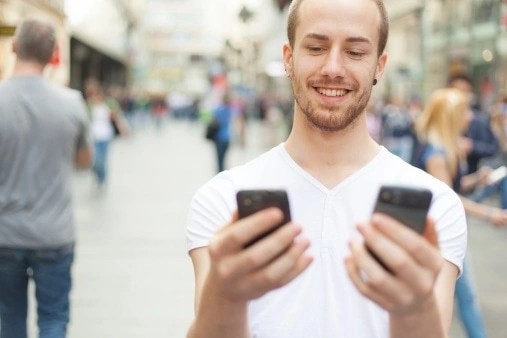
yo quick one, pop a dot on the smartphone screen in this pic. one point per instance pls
(408, 205)
(252, 201)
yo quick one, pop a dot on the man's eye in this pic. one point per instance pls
(356, 53)
(315, 49)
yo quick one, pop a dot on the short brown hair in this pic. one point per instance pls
(35, 41)
(293, 19)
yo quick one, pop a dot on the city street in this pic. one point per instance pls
(133, 277)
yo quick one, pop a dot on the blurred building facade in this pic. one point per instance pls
(92, 38)
(168, 45)
(99, 34)
(433, 40)
(174, 47)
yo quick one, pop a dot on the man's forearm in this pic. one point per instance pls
(421, 324)
(219, 318)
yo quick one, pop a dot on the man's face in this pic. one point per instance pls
(334, 60)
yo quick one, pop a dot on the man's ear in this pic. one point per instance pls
(381, 63)
(13, 47)
(287, 59)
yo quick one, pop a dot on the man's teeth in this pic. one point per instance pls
(332, 92)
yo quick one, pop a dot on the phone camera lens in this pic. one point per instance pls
(386, 196)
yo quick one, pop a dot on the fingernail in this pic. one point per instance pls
(379, 220)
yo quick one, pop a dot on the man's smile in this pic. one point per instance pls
(332, 92)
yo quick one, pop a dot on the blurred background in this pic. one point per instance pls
(154, 47)
(165, 61)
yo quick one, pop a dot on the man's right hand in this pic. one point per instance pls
(241, 274)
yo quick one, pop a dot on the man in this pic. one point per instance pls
(43, 134)
(332, 170)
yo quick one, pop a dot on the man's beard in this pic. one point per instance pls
(330, 119)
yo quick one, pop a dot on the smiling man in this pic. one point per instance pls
(314, 277)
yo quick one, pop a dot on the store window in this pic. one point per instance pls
(484, 11)
(459, 15)
(436, 17)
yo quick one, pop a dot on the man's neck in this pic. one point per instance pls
(331, 157)
(28, 68)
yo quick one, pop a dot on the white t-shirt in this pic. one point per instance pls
(101, 127)
(322, 302)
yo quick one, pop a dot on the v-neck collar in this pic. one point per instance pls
(315, 182)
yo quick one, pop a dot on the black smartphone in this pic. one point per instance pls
(408, 205)
(252, 201)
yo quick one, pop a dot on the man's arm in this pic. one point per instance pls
(215, 315)
(228, 275)
(83, 158)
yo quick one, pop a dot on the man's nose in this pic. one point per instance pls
(334, 65)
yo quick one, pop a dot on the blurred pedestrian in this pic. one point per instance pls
(43, 135)
(499, 115)
(397, 131)
(239, 119)
(223, 115)
(439, 129)
(314, 277)
(105, 116)
(498, 127)
(159, 110)
(481, 141)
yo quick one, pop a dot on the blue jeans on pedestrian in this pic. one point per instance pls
(221, 146)
(100, 161)
(50, 270)
(468, 307)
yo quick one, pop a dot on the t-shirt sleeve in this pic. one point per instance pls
(210, 209)
(449, 215)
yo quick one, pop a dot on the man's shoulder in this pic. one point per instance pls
(63, 91)
(6, 85)
(397, 169)
(70, 98)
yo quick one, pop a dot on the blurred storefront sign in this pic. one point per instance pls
(6, 30)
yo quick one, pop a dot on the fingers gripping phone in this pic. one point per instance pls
(252, 201)
(408, 205)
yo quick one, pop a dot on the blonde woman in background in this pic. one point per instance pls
(442, 154)
(439, 130)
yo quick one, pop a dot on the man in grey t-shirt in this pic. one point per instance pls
(43, 136)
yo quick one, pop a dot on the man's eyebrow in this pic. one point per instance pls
(359, 39)
(351, 39)
(317, 37)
